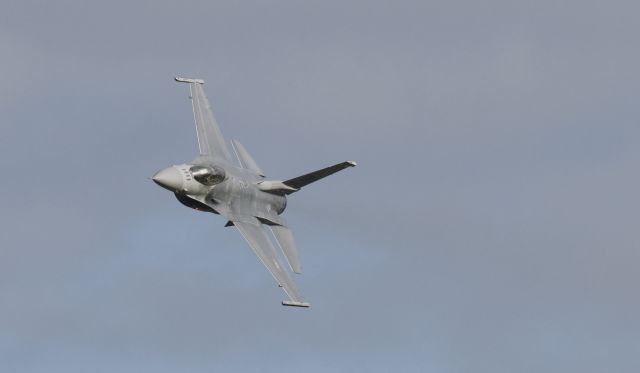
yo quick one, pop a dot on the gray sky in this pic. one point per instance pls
(491, 225)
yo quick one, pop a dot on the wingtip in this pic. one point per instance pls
(352, 163)
(293, 303)
(188, 80)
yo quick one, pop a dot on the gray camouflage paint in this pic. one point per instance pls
(212, 183)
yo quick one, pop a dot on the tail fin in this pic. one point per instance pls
(300, 181)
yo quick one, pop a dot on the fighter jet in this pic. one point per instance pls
(240, 193)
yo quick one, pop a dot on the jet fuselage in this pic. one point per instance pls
(209, 184)
(241, 194)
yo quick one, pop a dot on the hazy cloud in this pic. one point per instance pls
(490, 225)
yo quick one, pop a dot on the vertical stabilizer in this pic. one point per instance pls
(284, 237)
(300, 181)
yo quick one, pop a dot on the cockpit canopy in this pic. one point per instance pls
(208, 175)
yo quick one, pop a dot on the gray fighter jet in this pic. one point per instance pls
(212, 182)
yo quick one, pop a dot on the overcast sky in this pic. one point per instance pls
(491, 225)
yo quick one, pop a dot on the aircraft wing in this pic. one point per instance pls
(257, 238)
(210, 140)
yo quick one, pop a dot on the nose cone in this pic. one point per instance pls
(169, 178)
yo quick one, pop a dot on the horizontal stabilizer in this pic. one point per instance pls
(295, 304)
(284, 237)
(245, 159)
(300, 181)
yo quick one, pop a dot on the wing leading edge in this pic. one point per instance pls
(257, 238)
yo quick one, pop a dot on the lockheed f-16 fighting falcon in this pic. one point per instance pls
(240, 193)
